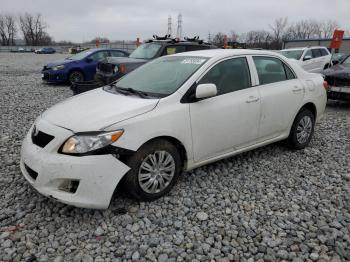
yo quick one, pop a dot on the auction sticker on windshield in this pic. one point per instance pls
(193, 61)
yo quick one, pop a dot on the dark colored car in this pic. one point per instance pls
(79, 67)
(113, 68)
(338, 57)
(338, 79)
(45, 50)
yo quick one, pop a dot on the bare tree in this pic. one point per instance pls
(259, 39)
(328, 28)
(8, 29)
(233, 36)
(278, 28)
(33, 29)
(218, 39)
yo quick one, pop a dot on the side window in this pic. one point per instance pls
(116, 53)
(323, 52)
(98, 56)
(270, 70)
(309, 53)
(316, 53)
(229, 76)
(170, 50)
(289, 72)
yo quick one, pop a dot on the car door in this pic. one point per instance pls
(318, 60)
(229, 120)
(308, 65)
(281, 95)
(91, 63)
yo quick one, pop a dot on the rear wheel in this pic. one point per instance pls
(302, 129)
(154, 170)
(76, 76)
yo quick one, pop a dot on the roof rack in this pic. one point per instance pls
(194, 39)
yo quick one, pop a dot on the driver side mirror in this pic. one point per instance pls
(206, 90)
(306, 58)
(88, 60)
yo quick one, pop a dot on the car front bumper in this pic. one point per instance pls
(47, 170)
(52, 76)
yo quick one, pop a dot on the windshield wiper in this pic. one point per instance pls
(131, 90)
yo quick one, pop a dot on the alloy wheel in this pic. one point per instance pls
(156, 172)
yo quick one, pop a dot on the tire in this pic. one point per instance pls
(75, 76)
(302, 129)
(135, 181)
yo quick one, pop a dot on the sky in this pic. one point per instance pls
(83, 20)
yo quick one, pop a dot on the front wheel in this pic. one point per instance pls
(76, 76)
(154, 170)
(302, 129)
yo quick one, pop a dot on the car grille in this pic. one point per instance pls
(105, 67)
(40, 138)
(31, 172)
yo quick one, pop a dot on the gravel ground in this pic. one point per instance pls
(271, 204)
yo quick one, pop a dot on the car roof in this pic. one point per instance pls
(104, 49)
(210, 53)
(303, 48)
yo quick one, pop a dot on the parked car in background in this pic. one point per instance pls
(79, 67)
(113, 68)
(45, 50)
(313, 59)
(171, 115)
(338, 78)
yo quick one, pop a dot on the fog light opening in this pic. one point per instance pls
(69, 186)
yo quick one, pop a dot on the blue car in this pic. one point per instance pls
(78, 68)
(45, 50)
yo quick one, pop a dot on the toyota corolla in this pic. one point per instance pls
(171, 115)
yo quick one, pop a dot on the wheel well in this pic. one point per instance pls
(177, 144)
(75, 69)
(311, 107)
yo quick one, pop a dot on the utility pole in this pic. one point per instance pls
(179, 27)
(170, 30)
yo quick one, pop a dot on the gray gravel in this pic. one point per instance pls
(271, 204)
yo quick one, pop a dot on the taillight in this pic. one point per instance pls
(325, 85)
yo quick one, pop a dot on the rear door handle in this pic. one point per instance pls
(252, 99)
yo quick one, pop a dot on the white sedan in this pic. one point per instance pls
(171, 115)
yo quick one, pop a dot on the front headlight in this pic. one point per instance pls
(115, 70)
(83, 143)
(59, 67)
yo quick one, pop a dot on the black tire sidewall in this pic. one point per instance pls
(75, 71)
(293, 141)
(130, 181)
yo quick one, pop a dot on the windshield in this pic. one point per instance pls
(162, 76)
(346, 61)
(294, 54)
(80, 55)
(146, 51)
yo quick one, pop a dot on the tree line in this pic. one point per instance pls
(280, 30)
(31, 27)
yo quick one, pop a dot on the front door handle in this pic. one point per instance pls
(252, 99)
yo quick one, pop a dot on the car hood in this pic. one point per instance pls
(124, 60)
(338, 70)
(96, 110)
(60, 62)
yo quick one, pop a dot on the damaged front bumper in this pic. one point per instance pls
(82, 181)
